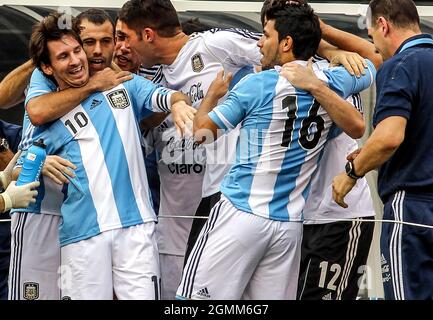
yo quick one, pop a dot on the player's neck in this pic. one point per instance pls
(171, 47)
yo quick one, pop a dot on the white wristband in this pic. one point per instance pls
(7, 200)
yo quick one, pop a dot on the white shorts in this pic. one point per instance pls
(171, 270)
(35, 257)
(242, 256)
(122, 260)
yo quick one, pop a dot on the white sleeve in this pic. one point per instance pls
(237, 47)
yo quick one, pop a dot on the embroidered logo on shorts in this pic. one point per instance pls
(31, 290)
(203, 293)
(118, 99)
(327, 296)
(197, 63)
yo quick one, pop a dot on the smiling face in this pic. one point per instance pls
(124, 57)
(98, 43)
(68, 62)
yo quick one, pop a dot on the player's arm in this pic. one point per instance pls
(350, 42)
(44, 107)
(13, 85)
(345, 116)
(205, 128)
(150, 100)
(382, 144)
(352, 61)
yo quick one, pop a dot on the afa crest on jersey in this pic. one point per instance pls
(31, 290)
(197, 63)
(118, 99)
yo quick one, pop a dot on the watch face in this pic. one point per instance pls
(348, 167)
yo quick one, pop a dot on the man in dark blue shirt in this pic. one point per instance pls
(401, 145)
(12, 134)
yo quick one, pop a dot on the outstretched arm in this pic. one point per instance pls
(203, 125)
(51, 106)
(13, 85)
(350, 42)
(382, 144)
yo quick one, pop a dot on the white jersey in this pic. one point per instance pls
(194, 69)
(181, 169)
(320, 204)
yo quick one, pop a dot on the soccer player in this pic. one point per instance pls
(35, 263)
(334, 253)
(250, 246)
(107, 233)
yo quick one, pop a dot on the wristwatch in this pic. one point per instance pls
(4, 145)
(350, 171)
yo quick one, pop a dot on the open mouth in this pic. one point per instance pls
(97, 62)
(122, 59)
(77, 72)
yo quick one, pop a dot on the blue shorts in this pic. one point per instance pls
(407, 251)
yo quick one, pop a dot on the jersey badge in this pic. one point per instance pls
(118, 99)
(31, 290)
(197, 63)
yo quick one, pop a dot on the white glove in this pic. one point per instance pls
(6, 174)
(20, 196)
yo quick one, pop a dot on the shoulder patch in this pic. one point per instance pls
(197, 63)
(118, 99)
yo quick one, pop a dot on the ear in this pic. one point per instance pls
(148, 34)
(383, 24)
(47, 69)
(286, 44)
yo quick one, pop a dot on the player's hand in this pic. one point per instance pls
(341, 186)
(57, 169)
(220, 85)
(353, 62)
(20, 196)
(351, 156)
(6, 174)
(182, 115)
(299, 76)
(108, 79)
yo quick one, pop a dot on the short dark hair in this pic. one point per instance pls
(95, 16)
(194, 25)
(159, 15)
(49, 29)
(298, 21)
(401, 13)
(268, 3)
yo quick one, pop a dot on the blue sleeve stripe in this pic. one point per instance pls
(220, 120)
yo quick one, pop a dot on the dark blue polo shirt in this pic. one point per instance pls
(405, 88)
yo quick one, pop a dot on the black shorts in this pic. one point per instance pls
(203, 210)
(333, 259)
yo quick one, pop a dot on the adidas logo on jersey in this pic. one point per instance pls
(327, 296)
(203, 293)
(95, 103)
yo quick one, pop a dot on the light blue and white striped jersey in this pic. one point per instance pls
(283, 131)
(50, 195)
(101, 137)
